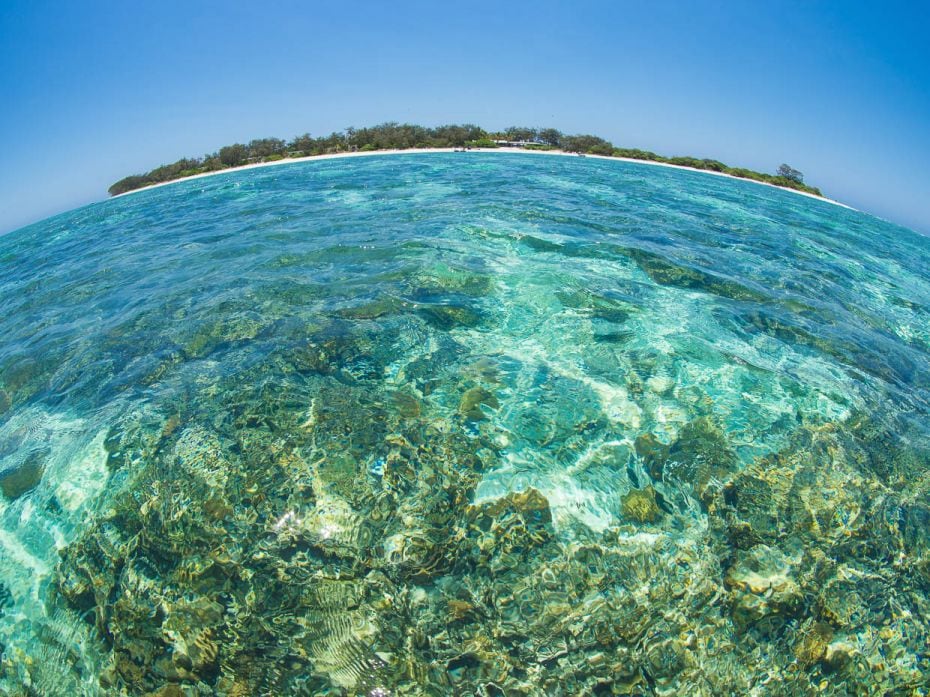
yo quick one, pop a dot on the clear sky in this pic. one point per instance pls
(93, 91)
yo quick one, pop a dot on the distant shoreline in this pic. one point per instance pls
(409, 151)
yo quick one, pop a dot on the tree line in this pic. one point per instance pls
(397, 136)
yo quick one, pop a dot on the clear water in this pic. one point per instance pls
(464, 424)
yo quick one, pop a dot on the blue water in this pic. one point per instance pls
(464, 423)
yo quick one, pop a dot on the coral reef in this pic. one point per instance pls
(329, 545)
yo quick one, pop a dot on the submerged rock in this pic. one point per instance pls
(381, 307)
(443, 280)
(24, 477)
(813, 644)
(407, 405)
(763, 587)
(653, 453)
(667, 273)
(448, 317)
(699, 456)
(472, 401)
(640, 505)
(597, 306)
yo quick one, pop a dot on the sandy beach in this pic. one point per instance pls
(561, 153)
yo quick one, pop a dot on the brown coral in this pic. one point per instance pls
(640, 505)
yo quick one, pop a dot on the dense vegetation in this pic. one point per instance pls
(395, 136)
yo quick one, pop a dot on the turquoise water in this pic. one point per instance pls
(470, 424)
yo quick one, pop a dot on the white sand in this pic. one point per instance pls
(289, 160)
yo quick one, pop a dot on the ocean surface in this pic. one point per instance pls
(464, 424)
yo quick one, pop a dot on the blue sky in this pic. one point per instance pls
(93, 91)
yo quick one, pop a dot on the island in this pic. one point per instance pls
(394, 136)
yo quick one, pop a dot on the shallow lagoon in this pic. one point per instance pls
(464, 423)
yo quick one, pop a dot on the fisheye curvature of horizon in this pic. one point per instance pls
(839, 90)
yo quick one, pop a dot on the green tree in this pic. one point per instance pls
(135, 181)
(520, 133)
(789, 172)
(551, 136)
(455, 136)
(587, 144)
(232, 155)
(265, 147)
(305, 144)
(636, 154)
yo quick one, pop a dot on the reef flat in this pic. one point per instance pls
(426, 425)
